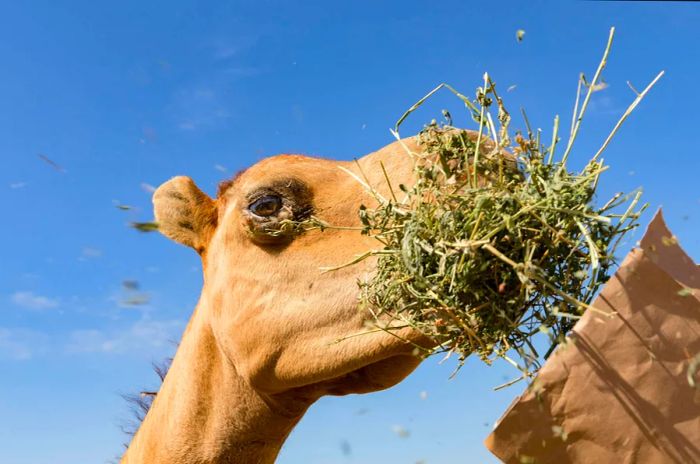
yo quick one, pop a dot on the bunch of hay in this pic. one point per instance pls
(498, 240)
(484, 252)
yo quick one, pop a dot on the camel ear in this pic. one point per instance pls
(184, 213)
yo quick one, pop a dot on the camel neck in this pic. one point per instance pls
(206, 413)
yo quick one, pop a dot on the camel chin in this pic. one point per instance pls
(374, 377)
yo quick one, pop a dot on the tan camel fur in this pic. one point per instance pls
(262, 344)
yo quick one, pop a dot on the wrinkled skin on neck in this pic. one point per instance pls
(272, 333)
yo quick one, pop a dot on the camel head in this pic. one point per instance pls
(284, 324)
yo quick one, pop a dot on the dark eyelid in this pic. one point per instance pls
(258, 193)
(286, 187)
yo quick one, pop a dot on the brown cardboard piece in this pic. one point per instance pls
(619, 391)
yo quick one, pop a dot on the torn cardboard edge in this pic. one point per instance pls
(618, 391)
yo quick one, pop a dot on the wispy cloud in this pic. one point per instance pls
(225, 48)
(201, 106)
(242, 71)
(206, 103)
(89, 253)
(148, 188)
(21, 344)
(30, 300)
(224, 51)
(605, 104)
(143, 336)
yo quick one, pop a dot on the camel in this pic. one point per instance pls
(271, 333)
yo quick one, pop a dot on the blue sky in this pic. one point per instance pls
(124, 95)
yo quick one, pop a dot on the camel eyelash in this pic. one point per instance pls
(294, 193)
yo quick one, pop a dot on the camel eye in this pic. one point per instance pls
(266, 206)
